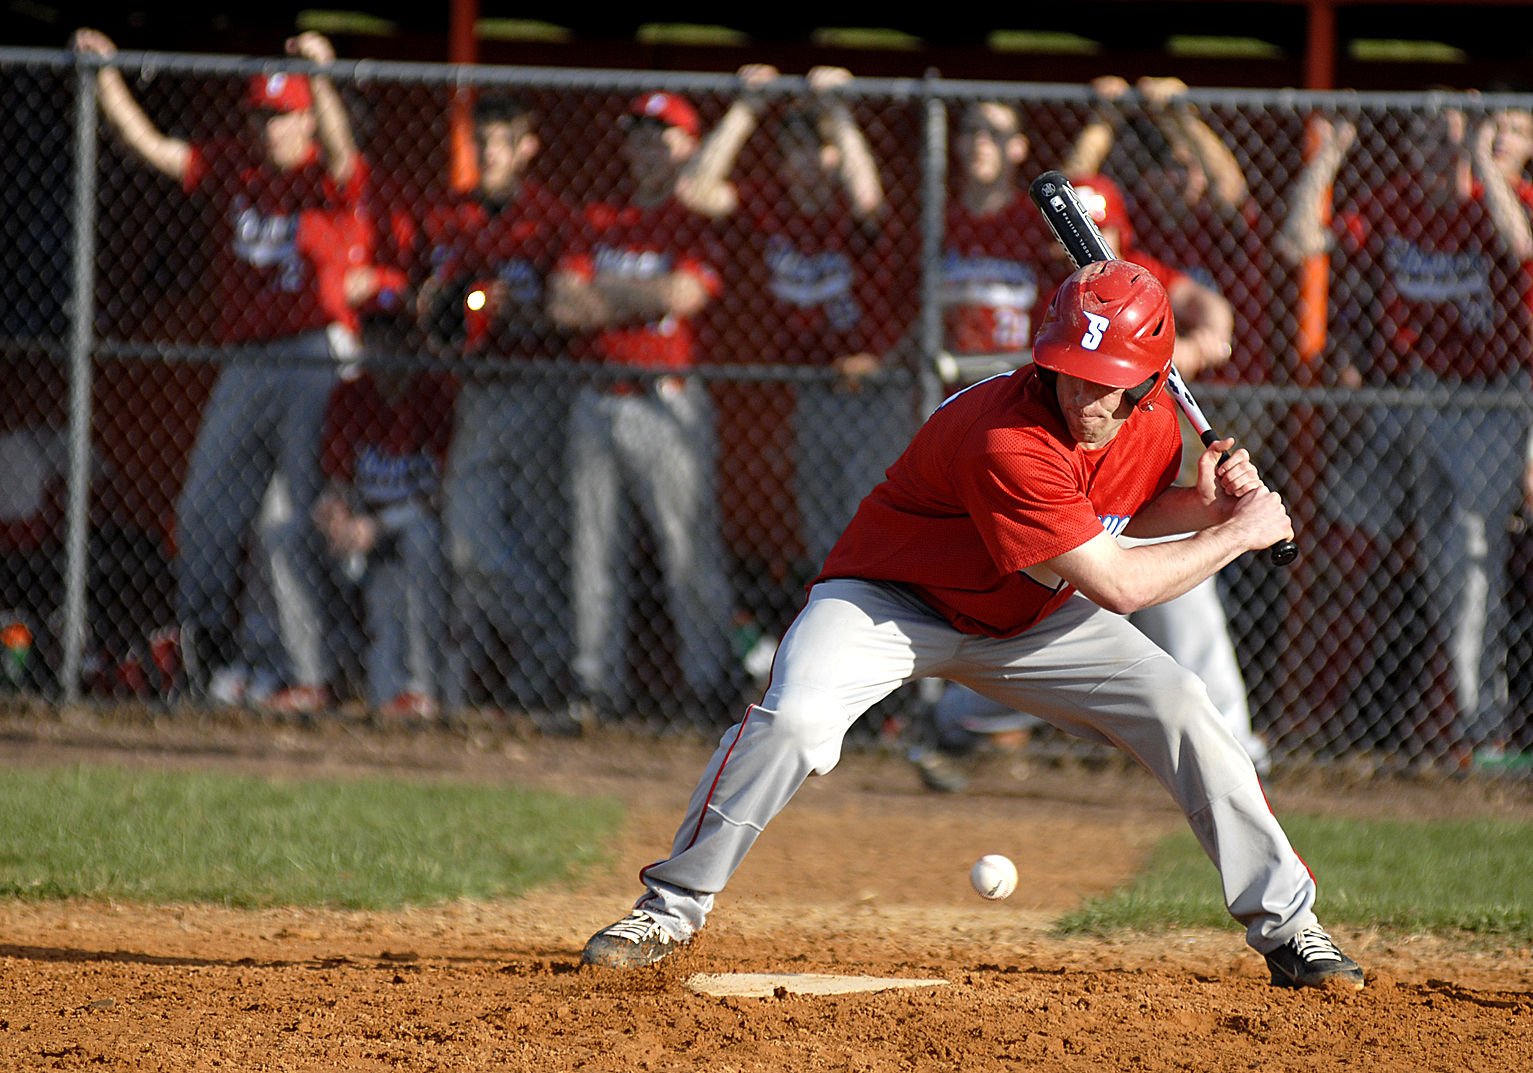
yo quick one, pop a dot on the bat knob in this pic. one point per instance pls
(1283, 552)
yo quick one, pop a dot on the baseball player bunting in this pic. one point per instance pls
(1078, 234)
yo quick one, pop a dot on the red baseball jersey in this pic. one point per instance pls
(355, 233)
(1445, 298)
(641, 243)
(998, 273)
(994, 483)
(804, 287)
(517, 243)
(267, 285)
(388, 447)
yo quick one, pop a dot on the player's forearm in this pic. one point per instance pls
(1303, 232)
(334, 129)
(133, 126)
(859, 171)
(703, 185)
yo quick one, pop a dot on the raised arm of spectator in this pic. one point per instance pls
(1186, 129)
(1094, 142)
(704, 185)
(1303, 233)
(163, 153)
(1506, 210)
(332, 123)
(859, 171)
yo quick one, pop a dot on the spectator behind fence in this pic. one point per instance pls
(386, 437)
(267, 406)
(362, 251)
(642, 430)
(1438, 252)
(1192, 628)
(490, 253)
(1000, 261)
(811, 283)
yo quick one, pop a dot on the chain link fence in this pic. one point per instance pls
(371, 443)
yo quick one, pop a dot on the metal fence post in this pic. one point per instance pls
(81, 317)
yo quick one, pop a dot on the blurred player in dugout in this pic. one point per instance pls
(281, 343)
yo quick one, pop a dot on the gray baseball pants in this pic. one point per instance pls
(262, 419)
(1082, 669)
(507, 519)
(652, 450)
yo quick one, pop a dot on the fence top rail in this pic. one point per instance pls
(364, 70)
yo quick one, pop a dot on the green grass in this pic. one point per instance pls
(1469, 876)
(373, 843)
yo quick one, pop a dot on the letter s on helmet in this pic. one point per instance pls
(1109, 323)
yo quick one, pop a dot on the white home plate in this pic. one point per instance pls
(766, 984)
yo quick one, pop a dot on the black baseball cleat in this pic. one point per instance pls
(632, 943)
(1312, 959)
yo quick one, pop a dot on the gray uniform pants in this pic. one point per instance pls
(1082, 669)
(1193, 629)
(508, 529)
(1455, 472)
(404, 596)
(653, 450)
(262, 419)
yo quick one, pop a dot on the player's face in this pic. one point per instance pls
(287, 136)
(1093, 412)
(1513, 142)
(989, 142)
(505, 149)
(656, 149)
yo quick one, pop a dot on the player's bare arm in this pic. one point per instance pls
(331, 122)
(167, 155)
(1303, 233)
(606, 299)
(1125, 580)
(859, 171)
(703, 183)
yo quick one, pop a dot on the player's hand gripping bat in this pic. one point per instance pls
(1078, 234)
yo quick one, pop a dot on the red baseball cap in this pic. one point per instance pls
(668, 108)
(279, 92)
(1104, 201)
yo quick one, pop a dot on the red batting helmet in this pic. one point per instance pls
(1109, 323)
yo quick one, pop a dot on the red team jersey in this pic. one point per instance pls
(388, 449)
(1445, 299)
(998, 273)
(997, 482)
(804, 287)
(267, 285)
(516, 243)
(642, 242)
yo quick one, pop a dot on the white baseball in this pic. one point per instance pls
(994, 876)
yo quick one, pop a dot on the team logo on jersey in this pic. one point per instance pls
(1115, 523)
(1096, 328)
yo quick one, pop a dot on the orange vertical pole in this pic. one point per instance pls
(1314, 279)
(463, 47)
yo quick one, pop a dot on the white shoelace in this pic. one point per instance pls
(1313, 944)
(638, 926)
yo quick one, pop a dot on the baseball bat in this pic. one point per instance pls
(1077, 232)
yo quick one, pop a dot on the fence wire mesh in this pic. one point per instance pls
(484, 419)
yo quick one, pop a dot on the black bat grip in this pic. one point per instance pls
(1284, 551)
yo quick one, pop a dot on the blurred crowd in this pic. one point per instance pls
(458, 453)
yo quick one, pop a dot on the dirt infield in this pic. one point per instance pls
(863, 874)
